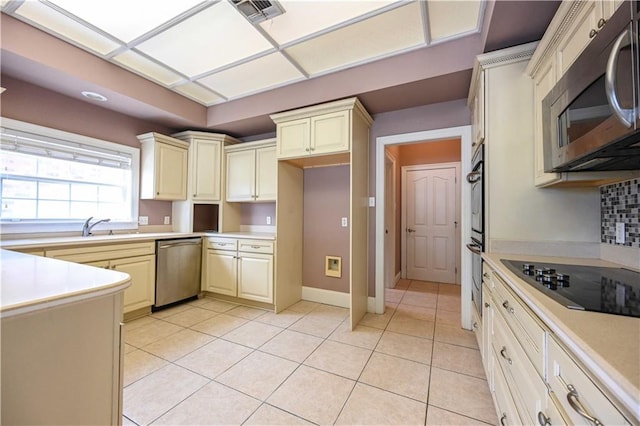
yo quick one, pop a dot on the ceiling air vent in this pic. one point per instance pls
(258, 10)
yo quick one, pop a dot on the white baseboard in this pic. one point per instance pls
(329, 297)
(335, 298)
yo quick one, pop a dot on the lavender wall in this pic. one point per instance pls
(32, 104)
(428, 117)
(256, 213)
(326, 201)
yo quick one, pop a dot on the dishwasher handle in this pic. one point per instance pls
(185, 243)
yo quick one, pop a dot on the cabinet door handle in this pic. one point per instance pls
(503, 419)
(543, 420)
(307, 149)
(509, 309)
(503, 353)
(593, 33)
(486, 275)
(475, 325)
(486, 305)
(601, 22)
(574, 401)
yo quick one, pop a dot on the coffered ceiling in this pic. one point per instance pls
(211, 52)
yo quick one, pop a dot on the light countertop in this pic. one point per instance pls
(608, 345)
(32, 283)
(36, 243)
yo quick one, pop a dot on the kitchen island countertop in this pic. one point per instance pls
(33, 283)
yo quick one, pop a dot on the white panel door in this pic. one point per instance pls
(431, 219)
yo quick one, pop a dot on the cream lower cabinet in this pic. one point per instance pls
(535, 380)
(63, 365)
(136, 259)
(251, 171)
(240, 268)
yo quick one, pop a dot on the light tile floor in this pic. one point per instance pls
(213, 362)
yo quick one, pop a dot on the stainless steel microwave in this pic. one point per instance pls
(591, 117)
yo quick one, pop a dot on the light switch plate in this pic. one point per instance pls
(372, 201)
(268, 220)
(620, 237)
(167, 220)
(143, 220)
(345, 223)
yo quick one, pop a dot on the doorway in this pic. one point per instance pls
(430, 216)
(463, 134)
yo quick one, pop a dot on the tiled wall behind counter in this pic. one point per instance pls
(620, 202)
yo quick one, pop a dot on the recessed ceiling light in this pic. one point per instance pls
(94, 96)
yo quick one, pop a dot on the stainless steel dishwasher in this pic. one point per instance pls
(178, 264)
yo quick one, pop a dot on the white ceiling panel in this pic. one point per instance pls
(146, 67)
(53, 21)
(450, 18)
(261, 74)
(213, 38)
(198, 93)
(317, 16)
(126, 19)
(394, 31)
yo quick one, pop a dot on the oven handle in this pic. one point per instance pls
(475, 248)
(473, 177)
(625, 115)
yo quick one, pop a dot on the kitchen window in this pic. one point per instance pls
(52, 181)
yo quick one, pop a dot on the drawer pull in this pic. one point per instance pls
(543, 420)
(503, 419)
(577, 406)
(509, 309)
(256, 247)
(503, 352)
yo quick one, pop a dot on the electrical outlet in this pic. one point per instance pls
(620, 237)
(167, 220)
(268, 220)
(345, 223)
(372, 201)
(143, 220)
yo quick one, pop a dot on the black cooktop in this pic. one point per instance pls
(591, 288)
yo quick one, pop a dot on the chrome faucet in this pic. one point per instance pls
(86, 228)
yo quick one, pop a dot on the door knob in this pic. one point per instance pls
(411, 230)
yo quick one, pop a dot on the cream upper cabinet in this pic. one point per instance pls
(206, 164)
(251, 172)
(313, 131)
(572, 28)
(476, 103)
(163, 174)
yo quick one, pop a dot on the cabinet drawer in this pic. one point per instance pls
(103, 252)
(219, 243)
(506, 410)
(576, 392)
(525, 327)
(255, 246)
(527, 388)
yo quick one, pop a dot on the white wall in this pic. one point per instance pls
(518, 211)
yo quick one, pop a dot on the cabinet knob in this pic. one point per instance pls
(475, 325)
(505, 305)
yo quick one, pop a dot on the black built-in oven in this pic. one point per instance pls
(476, 246)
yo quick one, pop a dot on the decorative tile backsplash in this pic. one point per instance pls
(620, 202)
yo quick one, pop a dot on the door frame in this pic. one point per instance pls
(464, 134)
(390, 249)
(403, 210)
